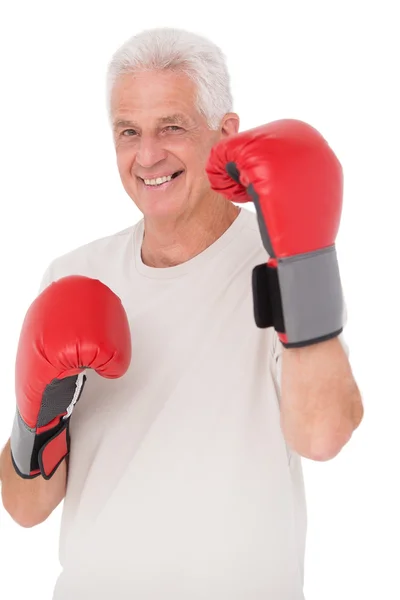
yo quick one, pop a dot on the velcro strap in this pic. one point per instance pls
(267, 302)
(53, 452)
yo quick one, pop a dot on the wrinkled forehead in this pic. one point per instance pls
(155, 97)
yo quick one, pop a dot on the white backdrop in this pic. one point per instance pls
(333, 64)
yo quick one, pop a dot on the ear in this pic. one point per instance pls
(230, 125)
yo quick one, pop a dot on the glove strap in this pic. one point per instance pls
(41, 450)
(267, 302)
(35, 454)
(301, 298)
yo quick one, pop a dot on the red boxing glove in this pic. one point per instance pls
(74, 324)
(295, 181)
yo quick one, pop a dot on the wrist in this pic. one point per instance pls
(301, 297)
(38, 452)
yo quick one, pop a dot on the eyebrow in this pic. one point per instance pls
(177, 118)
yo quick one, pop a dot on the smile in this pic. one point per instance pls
(159, 181)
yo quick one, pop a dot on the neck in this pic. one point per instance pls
(168, 244)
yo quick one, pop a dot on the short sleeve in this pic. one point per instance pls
(342, 336)
(47, 278)
(277, 349)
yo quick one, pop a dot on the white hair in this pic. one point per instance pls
(180, 51)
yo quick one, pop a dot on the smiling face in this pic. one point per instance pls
(163, 142)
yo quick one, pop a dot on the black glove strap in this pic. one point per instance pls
(267, 301)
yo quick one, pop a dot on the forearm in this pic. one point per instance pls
(320, 404)
(30, 501)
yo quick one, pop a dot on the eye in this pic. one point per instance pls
(128, 132)
(174, 128)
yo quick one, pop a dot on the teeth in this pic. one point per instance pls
(157, 181)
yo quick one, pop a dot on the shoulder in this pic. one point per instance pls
(247, 242)
(95, 259)
(248, 216)
(251, 229)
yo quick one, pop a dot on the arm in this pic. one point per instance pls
(321, 404)
(30, 501)
(62, 335)
(290, 173)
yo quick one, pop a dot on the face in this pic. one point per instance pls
(163, 142)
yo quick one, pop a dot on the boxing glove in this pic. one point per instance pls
(287, 169)
(76, 323)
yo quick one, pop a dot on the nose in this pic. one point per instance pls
(150, 152)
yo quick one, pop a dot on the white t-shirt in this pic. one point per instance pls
(181, 485)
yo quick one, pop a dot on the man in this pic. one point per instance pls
(165, 397)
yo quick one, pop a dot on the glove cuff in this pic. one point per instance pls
(41, 453)
(301, 298)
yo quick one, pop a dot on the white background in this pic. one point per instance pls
(333, 64)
